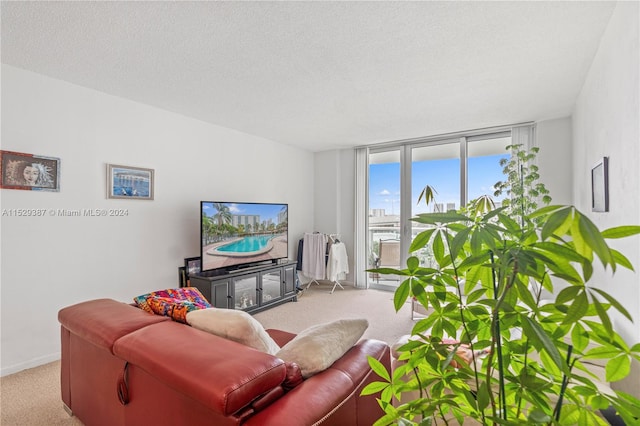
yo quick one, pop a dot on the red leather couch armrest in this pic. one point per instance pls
(355, 363)
(103, 321)
(332, 396)
(219, 373)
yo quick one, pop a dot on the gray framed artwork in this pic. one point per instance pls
(131, 183)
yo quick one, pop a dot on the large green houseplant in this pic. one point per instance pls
(492, 266)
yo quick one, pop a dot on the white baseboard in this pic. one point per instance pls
(36, 362)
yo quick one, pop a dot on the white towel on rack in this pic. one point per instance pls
(313, 256)
(338, 264)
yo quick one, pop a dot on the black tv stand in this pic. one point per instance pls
(250, 267)
(251, 289)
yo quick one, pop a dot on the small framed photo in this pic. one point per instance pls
(133, 183)
(192, 266)
(29, 172)
(600, 186)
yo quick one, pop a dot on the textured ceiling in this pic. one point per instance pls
(319, 75)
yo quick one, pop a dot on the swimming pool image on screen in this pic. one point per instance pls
(240, 233)
(243, 247)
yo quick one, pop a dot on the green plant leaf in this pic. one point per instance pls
(427, 194)
(401, 294)
(617, 368)
(378, 368)
(438, 247)
(413, 263)
(579, 243)
(579, 337)
(604, 317)
(458, 241)
(525, 294)
(476, 274)
(534, 331)
(421, 240)
(566, 294)
(563, 251)
(476, 240)
(554, 221)
(389, 271)
(587, 269)
(621, 259)
(593, 237)
(373, 388)
(474, 260)
(628, 407)
(435, 218)
(545, 210)
(475, 295)
(570, 415)
(599, 402)
(538, 416)
(547, 284)
(510, 224)
(549, 364)
(613, 303)
(621, 231)
(483, 396)
(577, 309)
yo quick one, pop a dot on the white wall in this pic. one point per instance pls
(333, 197)
(51, 262)
(606, 123)
(554, 159)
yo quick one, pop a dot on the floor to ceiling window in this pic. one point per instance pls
(459, 169)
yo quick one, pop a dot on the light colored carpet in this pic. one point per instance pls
(32, 397)
(317, 305)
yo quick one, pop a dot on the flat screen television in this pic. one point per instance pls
(236, 235)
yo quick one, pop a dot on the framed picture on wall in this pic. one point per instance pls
(600, 186)
(133, 183)
(29, 172)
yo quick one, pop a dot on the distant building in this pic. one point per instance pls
(282, 217)
(245, 219)
(377, 212)
(442, 207)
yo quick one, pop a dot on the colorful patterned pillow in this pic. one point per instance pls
(176, 309)
(190, 294)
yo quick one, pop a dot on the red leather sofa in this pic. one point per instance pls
(124, 366)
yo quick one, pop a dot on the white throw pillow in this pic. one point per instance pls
(317, 347)
(234, 325)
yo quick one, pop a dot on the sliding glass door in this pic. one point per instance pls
(457, 169)
(384, 214)
(483, 165)
(436, 166)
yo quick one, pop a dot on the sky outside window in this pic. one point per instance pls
(443, 174)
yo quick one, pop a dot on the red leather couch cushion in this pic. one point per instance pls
(221, 374)
(87, 320)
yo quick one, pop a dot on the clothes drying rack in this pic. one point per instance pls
(334, 238)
